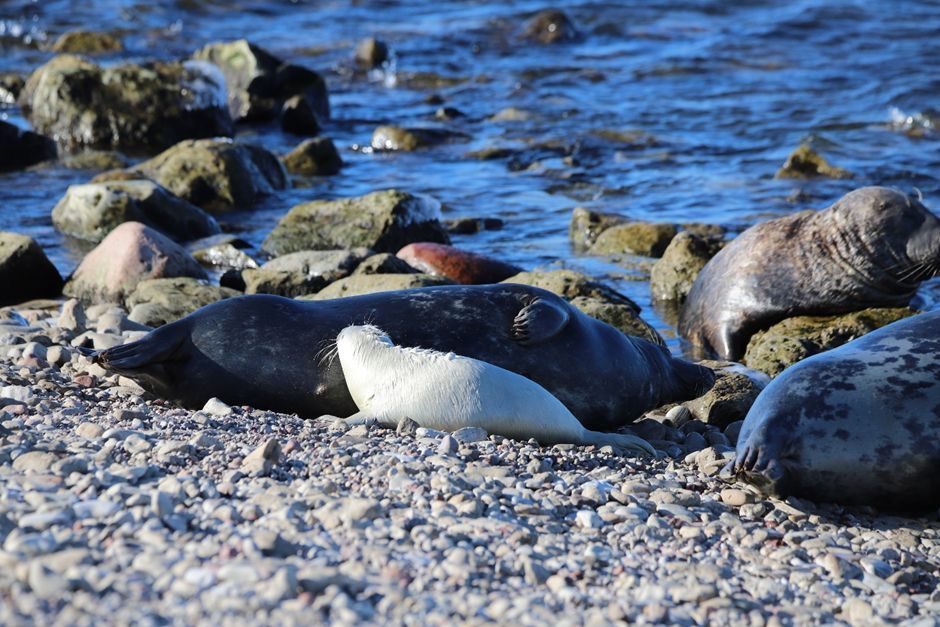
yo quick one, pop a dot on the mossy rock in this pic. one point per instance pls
(797, 338)
(587, 225)
(313, 157)
(672, 275)
(728, 400)
(619, 316)
(392, 138)
(302, 273)
(570, 284)
(806, 163)
(383, 221)
(649, 239)
(87, 42)
(156, 302)
(357, 284)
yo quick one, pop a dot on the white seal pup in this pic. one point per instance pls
(447, 391)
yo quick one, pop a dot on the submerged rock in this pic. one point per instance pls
(25, 271)
(586, 225)
(87, 42)
(369, 283)
(156, 302)
(797, 338)
(259, 82)
(216, 175)
(391, 138)
(371, 53)
(805, 163)
(550, 26)
(131, 253)
(313, 157)
(649, 239)
(145, 107)
(672, 276)
(620, 316)
(93, 210)
(20, 149)
(460, 266)
(383, 221)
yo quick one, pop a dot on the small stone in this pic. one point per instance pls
(161, 503)
(588, 519)
(35, 461)
(407, 426)
(469, 434)
(215, 407)
(735, 497)
(448, 445)
(89, 430)
(261, 460)
(857, 612)
(535, 573)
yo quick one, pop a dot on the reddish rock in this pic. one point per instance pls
(129, 254)
(458, 265)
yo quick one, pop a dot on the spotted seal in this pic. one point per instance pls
(857, 425)
(261, 350)
(872, 248)
(446, 391)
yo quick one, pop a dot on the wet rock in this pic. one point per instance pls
(672, 275)
(304, 272)
(383, 221)
(618, 315)
(20, 149)
(11, 84)
(93, 210)
(99, 160)
(25, 271)
(570, 284)
(384, 263)
(550, 26)
(727, 401)
(87, 42)
(298, 117)
(370, 283)
(587, 225)
(313, 157)
(223, 255)
(371, 53)
(794, 339)
(649, 239)
(130, 107)
(390, 138)
(512, 114)
(470, 226)
(131, 253)
(214, 174)
(155, 302)
(259, 83)
(458, 265)
(805, 163)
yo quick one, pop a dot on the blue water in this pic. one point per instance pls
(720, 91)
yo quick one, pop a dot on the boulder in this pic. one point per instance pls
(383, 221)
(92, 210)
(25, 271)
(131, 253)
(649, 239)
(369, 283)
(298, 117)
(87, 42)
(216, 175)
(20, 149)
(806, 163)
(313, 157)
(304, 272)
(620, 316)
(797, 338)
(390, 138)
(259, 82)
(672, 276)
(142, 108)
(570, 284)
(384, 263)
(586, 225)
(460, 266)
(156, 302)
(371, 53)
(728, 400)
(550, 26)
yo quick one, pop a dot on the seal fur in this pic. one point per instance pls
(446, 391)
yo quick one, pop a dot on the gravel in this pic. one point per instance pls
(117, 507)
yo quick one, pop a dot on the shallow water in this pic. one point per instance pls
(712, 96)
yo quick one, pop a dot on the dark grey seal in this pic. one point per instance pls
(857, 425)
(872, 248)
(274, 353)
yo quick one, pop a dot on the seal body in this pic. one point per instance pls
(872, 248)
(446, 391)
(857, 425)
(272, 353)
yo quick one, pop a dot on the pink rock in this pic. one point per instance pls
(129, 254)
(458, 265)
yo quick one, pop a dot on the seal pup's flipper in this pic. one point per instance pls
(538, 321)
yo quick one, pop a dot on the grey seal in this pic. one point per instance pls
(872, 248)
(857, 425)
(263, 351)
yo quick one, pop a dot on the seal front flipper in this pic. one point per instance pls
(538, 321)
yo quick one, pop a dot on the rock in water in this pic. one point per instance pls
(25, 271)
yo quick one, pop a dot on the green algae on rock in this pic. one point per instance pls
(805, 163)
(87, 42)
(674, 273)
(649, 239)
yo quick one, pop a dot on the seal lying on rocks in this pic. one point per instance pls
(857, 425)
(872, 248)
(263, 351)
(446, 391)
